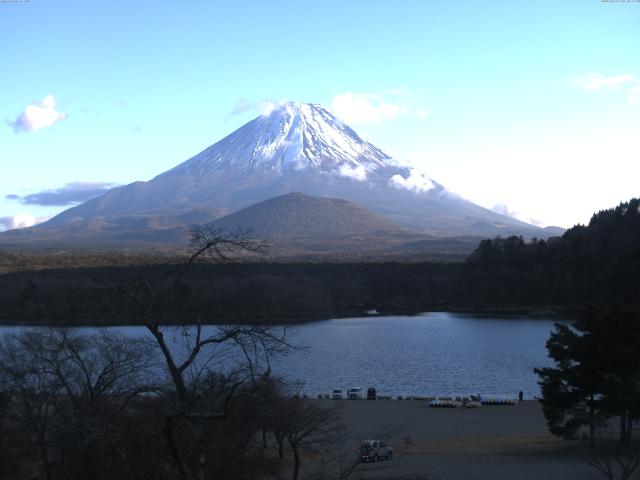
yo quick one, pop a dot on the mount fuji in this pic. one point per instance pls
(293, 148)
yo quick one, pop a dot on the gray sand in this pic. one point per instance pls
(491, 442)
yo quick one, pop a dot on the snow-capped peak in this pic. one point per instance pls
(292, 136)
(302, 137)
(316, 138)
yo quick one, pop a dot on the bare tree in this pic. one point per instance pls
(31, 392)
(64, 393)
(5, 454)
(306, 422)
(196, 404)
(616, 463)
(101, 376)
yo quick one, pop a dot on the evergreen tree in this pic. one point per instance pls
(597, 373)
(571, 395)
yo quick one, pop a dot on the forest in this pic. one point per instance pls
(78, 405)
(593, 265)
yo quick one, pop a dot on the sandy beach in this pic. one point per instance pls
(491, 442)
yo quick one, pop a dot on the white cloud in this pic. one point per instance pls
(505, 210)
(21, 220)
(421, 113)
(38, 115)
(593, 82)
(554, 178)
(634, 93)
(367, 107)
(416, 181)
(358, 173)
(597, 82)
(264, 107)
(351, 107)
(269, 106)
(242, 105)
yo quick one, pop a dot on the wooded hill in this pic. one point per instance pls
(589, 265)
(594, 265)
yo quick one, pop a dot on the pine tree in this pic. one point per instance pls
(597, 373)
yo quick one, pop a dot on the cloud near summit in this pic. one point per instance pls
(374, 107)
(38, 115)
(264, 107)
(505, 209)
(352, 107)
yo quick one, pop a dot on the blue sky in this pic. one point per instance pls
(530, 108)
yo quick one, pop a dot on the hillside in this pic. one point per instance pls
(294, 148)
(296, 215)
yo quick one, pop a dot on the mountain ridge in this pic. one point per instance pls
(296, 215)
(295, 148)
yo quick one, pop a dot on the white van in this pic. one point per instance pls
(375, 450)
(354, 393)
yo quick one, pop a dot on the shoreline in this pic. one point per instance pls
(542, 313)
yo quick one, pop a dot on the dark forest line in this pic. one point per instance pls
(594, 265)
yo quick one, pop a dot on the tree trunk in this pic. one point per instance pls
(174, 371)
(175, 453)
(592, 424)
(264, 438)
(625, 431)
(296, 460)
(44, 453)
(279, 440)
(280, 448)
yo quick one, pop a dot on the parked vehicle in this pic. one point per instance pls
(371, 393)
(354, 393)
(374, 450)
(337, 394)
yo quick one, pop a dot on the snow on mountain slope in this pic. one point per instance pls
(298, 137)
(290, 137)
(300, 148)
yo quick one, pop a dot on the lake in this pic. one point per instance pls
(429, 354)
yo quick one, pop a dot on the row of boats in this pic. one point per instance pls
(472, 401)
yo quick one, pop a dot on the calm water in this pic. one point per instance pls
(429, 354)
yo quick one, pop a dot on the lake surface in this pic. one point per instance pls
(429, 354)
